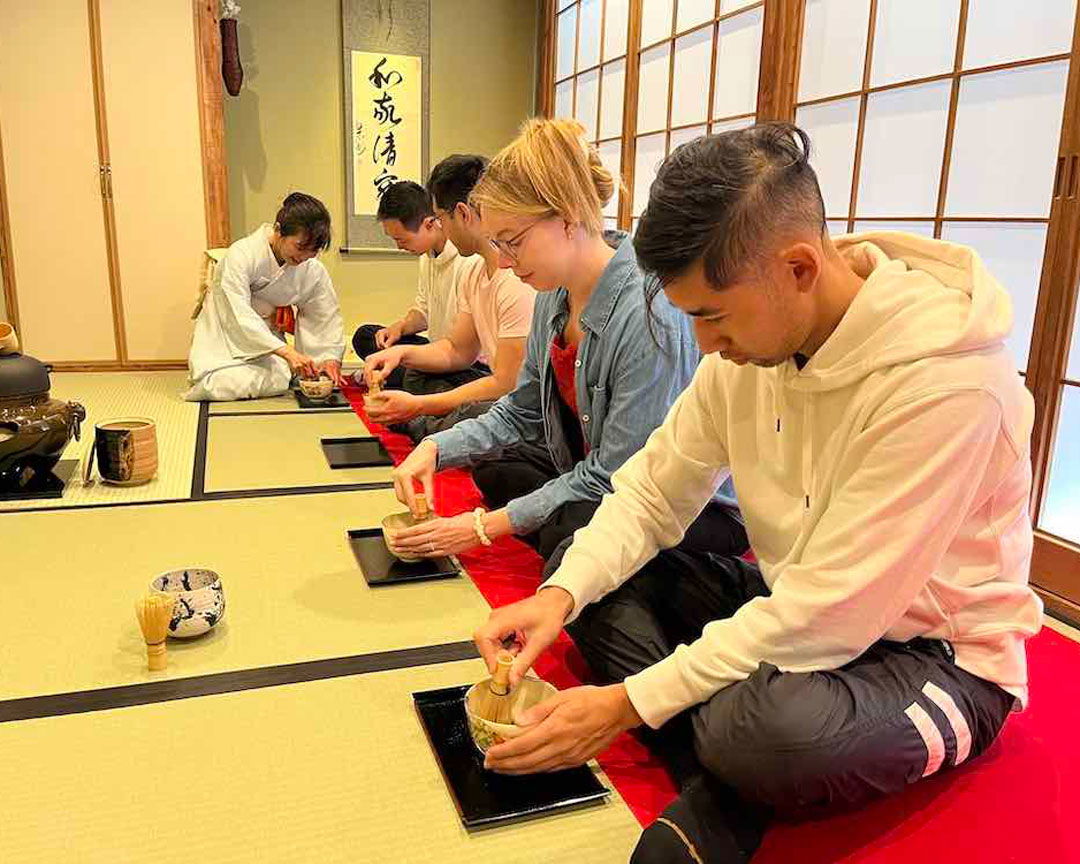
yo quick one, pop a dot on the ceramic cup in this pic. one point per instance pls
(531, 691)
(393, 523)
(126, 451)
(200, 600)
(9, 339)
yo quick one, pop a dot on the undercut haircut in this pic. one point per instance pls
(722, 199)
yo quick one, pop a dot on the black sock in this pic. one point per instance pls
(706, 824)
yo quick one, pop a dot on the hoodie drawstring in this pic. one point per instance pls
(807, 434)
(807, 452)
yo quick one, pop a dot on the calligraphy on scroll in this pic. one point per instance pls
(387, 125)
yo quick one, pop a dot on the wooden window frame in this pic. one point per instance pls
(955, 76)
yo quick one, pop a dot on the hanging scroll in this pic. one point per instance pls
(386, 75)
(387, 125)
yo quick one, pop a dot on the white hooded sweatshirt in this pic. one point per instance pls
(884, 486)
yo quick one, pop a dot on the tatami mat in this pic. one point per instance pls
(107, 395)
(293, 590)
(286, 403)
(328, 771)
(281, 451)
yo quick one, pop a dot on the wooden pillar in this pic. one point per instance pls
(212, 122)
(781, 51)
(1048, 357)
(629, 126)
(545, 59)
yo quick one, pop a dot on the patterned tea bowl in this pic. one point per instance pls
(317, 389)
(531, 691)
(200, 600)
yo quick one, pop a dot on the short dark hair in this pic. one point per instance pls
(453, 179)
(718, 197)
(406, 201)
(300, 212)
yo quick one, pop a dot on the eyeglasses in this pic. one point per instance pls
(510, 248)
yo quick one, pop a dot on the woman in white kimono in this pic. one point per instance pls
(239, 350)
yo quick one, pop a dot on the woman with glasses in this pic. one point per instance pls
(601, 369)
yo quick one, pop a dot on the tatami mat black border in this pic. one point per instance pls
(198, 473)
(275, 492)
(209, 496)
(102, 505)
(198, 477)
(301, 412)
(128, 696)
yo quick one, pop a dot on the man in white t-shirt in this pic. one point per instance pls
(493, 320)
(407, 218)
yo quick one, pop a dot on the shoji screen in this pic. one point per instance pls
(933, 118)
(590, 75)
(699, 63)
(921, 125)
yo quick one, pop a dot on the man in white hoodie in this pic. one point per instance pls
(861, 397)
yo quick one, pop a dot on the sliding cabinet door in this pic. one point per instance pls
(53, 182)
(149, 61)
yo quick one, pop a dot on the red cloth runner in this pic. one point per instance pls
(507, 571)
(1014, 804)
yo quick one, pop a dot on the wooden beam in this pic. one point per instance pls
(950, 123)
(1055, 566)
(1059, 608)
(781, 53)
(1056, 305)
(629, 127)
(711, 98)
(671, 80)
(600, 75)
(860, 132)
(212, 122)
(545, 59)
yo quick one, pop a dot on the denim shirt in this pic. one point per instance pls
(625, 382)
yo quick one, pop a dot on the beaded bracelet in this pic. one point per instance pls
(478, 524)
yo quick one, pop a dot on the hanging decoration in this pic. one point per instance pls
(232, 73)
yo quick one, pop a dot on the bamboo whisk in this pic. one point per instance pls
(154, 613)
(494, 703)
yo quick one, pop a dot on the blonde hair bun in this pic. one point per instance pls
(550, 169)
